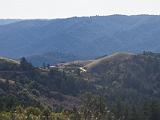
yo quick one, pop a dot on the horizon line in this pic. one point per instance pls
(41, 18)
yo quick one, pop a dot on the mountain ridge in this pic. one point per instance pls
(88, 37)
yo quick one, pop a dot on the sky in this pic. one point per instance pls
(28, 9)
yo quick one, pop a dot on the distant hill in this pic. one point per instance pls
(86, 37)
(51, 58)
(8, 21)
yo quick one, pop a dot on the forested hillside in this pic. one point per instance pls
(123, 86)
(84, 37)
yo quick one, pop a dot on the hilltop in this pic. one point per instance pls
(111, 58)
(7, 60)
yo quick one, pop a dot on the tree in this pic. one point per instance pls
(46, 113)
(94, 108)
(75, 114)
(25, 65)
(44, 65)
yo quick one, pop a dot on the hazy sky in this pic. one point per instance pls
(69, 8)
